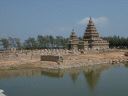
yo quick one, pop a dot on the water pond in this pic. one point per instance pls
(101, 80)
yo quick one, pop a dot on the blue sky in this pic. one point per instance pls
(29, 18)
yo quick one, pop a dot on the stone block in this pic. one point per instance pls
(51, 58)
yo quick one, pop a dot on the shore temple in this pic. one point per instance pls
(90, 40)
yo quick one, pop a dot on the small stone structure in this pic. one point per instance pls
(91, 39)
(51, 58)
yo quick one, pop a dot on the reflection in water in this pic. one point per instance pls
(126, 64)
(85, 81)
(18, 73)
(74, 73)
(91, 78)
(91, 74)
(52, 73)
(30, 72)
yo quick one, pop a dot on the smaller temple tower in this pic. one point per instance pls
(73, 41)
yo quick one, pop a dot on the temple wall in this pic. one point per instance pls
(99, 47)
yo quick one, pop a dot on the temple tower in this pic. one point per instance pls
(73, 41)
(90, 31)
(92, 37)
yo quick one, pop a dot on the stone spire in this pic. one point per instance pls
(73, 35)
(90, 21)
(73, 40)
(91, 26)
(90, 30)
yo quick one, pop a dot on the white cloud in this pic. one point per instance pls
(84, 21)
(100, 21)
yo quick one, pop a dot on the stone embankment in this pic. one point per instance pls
(69, 59)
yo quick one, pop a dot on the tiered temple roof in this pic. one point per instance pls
(73, 40)
(91, 38)
(90, 31)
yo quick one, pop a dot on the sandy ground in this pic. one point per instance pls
(32, 60)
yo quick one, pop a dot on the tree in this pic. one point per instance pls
(5, 43)
(30, 43)
(40, 41)
(117, 42)
(18, 43)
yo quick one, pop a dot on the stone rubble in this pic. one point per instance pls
(71, 58)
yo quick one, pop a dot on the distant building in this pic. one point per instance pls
(91, 39)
